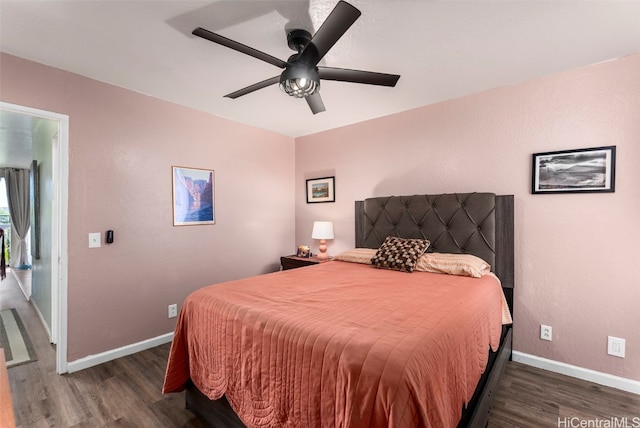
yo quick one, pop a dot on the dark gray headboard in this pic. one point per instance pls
(474, 223)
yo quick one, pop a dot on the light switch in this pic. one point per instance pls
(94, 240)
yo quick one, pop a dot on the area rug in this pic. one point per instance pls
(14, 339)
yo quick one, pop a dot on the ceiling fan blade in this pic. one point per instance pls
(254, 87)
(358, 76)
(336, 24)
(315, 103)
(237, 46)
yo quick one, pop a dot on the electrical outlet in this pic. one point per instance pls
(615, 346)
(545, 332)
(173, 311)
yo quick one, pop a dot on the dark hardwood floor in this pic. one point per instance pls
(126, 392)
(531, 397)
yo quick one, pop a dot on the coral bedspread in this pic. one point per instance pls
(339, 345)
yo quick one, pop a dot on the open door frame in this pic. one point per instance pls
(59, 253)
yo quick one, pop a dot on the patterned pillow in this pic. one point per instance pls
(399, 253)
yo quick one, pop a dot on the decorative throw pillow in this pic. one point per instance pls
(453, 264)
(399, 253)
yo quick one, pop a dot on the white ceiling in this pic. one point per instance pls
(442, 50)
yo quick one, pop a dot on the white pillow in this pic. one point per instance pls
(357, 255)
(454, 264)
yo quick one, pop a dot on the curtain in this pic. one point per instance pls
(17, 181)
(3, 264)
(3, 267)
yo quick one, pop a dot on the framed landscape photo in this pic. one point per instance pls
(193, 196)
(574, 171)
(321, 190)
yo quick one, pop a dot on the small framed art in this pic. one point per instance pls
(34, 206)
(193, 196)
(321, 190)
(574, 171)
(303, 251)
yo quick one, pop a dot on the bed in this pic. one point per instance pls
(346, 344)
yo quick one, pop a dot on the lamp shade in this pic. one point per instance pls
(322, 230)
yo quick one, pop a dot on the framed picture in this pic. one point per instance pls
(574, 171)
(303, 251)
(321, 190)
(193, 196)
(34, 209)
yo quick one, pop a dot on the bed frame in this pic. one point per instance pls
(475, 223)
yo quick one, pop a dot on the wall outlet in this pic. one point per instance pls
(615, 346)
(545, 332)
(173, 311)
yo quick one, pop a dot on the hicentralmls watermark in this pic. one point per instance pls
(614, 422)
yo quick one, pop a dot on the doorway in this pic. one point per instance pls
(22, 273)
(56, 245)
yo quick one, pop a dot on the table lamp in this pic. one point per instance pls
(322, 230)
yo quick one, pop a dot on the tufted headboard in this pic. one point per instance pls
(475, 223)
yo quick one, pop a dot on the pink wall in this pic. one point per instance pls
(121, 149)
(575, 254)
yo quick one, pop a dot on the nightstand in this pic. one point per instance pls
(292, 262)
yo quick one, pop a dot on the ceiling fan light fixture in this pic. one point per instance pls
(299, 88)
(301, 75)
(299, 81)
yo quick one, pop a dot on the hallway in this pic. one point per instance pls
(12, 297)
(23, 278)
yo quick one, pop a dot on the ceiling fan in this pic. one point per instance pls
(301, 76)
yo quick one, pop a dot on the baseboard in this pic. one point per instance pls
(605, 379)
(42, 320)
(21, 285)
(94, 360)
